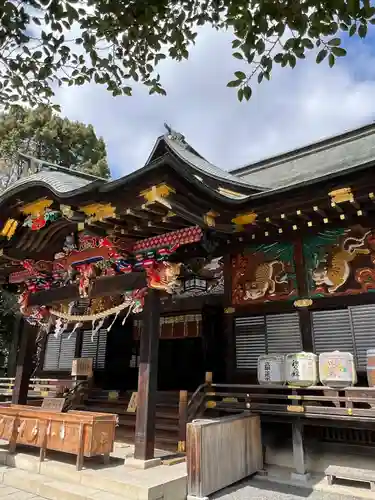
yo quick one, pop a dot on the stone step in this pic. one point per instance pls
(94, 485)
(52, 489)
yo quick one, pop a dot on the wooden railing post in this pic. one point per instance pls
(182, 421)
(208, 378)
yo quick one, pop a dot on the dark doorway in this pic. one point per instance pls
(214, 341)
(181, 364)
(119, 375)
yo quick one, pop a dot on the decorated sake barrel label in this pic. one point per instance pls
(271, 369)
(301, 369)
(337, 369)
(371, 367)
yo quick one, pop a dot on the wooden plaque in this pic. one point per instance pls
(132, 406)
(53, 404)
(82, 367)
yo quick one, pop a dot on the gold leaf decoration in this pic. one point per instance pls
(158, 194)
(243, 220)
(98, 211)
(9, 228)
(341, 195)
(36, 208)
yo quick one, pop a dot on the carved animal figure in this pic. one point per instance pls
(336, 272)
(266, 276)
(164, 276)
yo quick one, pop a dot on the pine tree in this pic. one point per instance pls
(41, 133)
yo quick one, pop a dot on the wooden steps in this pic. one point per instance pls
(167, 417)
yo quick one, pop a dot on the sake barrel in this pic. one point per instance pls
(337, 369)
(370, 366)
(271, 369)
(301, 369)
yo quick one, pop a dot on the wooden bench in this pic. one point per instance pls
(349, 473)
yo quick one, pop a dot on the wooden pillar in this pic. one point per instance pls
(302, 286)
(12, 359)
(24, 364)
(147, 378)
(229, 333)
(182, 420)
(299, 451)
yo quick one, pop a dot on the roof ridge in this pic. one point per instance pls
(311, 148)
(45, 165)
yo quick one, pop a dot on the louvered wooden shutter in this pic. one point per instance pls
(332, 331)
(67, 350)
(60, 352)
(51, 355)
(363, 324)
(102, 349)
(250, 341)
(283, 333)
(95, 349)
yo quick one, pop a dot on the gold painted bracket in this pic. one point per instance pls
(37, 207)
(341, 195)
(98, 211)
(243, 220)
(9, 228)
(158, 194)
(209, 218)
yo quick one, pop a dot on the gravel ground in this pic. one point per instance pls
(256, 490)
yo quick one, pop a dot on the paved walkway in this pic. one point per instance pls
(260, 490)
(10, 493)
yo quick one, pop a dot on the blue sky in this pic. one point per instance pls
(296, 107)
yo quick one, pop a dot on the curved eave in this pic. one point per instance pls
(59, 195)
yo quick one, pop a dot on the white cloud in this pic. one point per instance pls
(296, 107)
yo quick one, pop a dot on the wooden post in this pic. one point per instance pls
(182, 421)
(147, 378)
(24, 364)
(304, 314)
(299, 451)
(12, 359)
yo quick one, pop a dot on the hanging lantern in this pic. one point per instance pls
(195, 284)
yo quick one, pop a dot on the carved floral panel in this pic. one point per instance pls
(264, 273)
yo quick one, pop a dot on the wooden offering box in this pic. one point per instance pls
(82, 433)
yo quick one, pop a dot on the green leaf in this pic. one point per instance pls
(234, 83)
(362, 30)
(236, 44)
(240, 75)
(37, 55)
(321, 55)
(338, 51)
(335, 42)
(331, 60)
(260, 77)
(353, 29)
(240, 94)
(238, 55)
(306, 42)
(127, 91)
(247, 92)
(292, 61)
(278, 57)
(260, 46)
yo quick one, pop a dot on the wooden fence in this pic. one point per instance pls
(38, 387)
